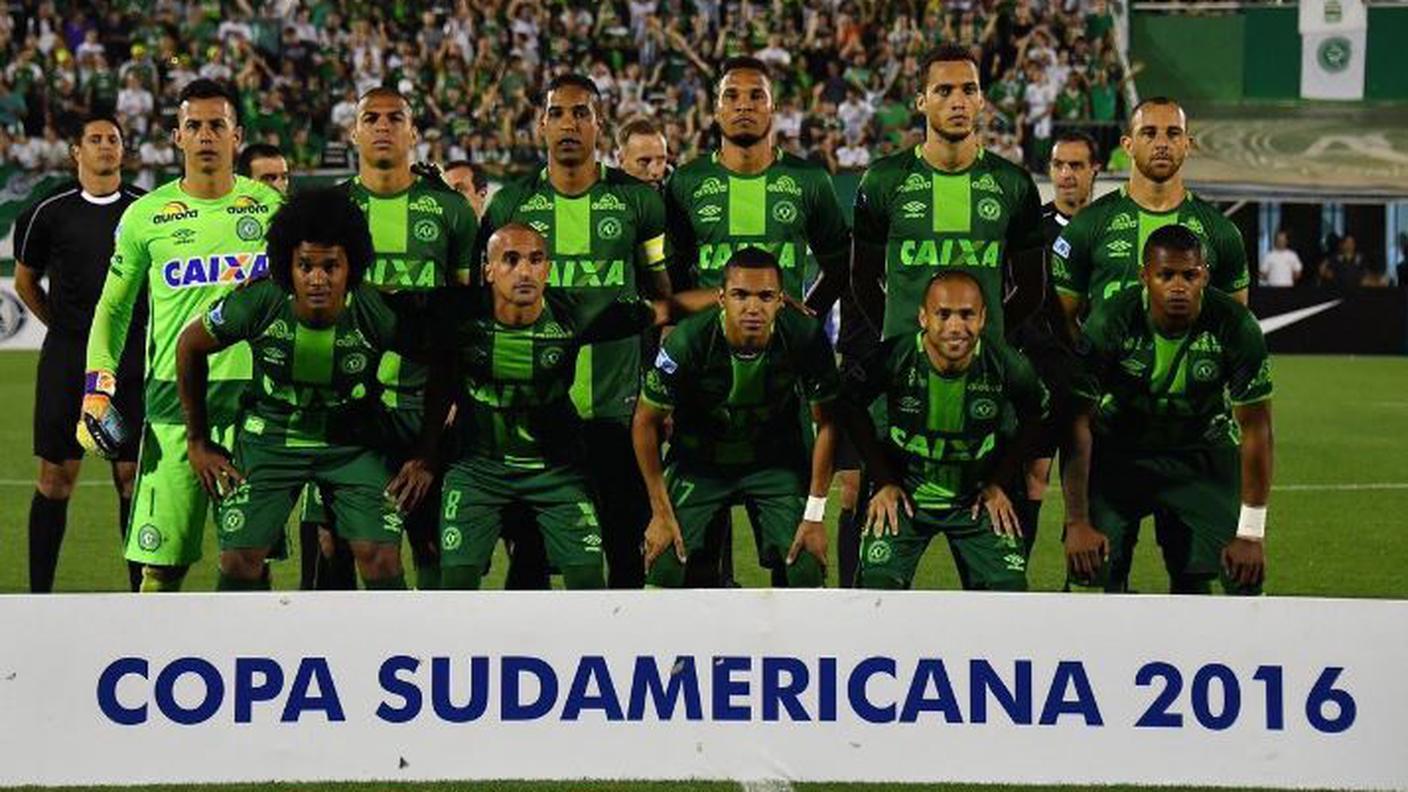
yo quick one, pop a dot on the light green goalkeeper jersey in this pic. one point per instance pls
(189, 252)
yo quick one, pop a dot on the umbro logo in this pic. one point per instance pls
(914, 209)
(710, 213)
(1120, 248)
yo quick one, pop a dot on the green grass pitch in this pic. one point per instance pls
(1335, 527)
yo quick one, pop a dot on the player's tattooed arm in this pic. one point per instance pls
(1086, 547)
(647, 432)
(211, 462)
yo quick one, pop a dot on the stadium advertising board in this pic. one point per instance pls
(1307, 321)
(804, 685)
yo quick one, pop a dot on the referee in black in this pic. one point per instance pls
(67, 238)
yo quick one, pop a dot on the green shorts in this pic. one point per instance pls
(985, 560)
(353, 480)
(1198, 490)
(169, 506)
(774, 497)
(394, 432)
(478, 491)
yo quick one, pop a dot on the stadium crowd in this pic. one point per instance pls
(844, 71)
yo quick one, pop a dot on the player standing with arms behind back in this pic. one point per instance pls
(67, 237)
(191, 242)
(605, 233)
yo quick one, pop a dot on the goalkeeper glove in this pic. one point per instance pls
(100, 427)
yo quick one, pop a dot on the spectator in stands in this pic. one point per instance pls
(642, 151)
(1345, 269)
(1280, 267)
(854, 156)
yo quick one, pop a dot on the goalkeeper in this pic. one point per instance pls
(315, 330)
(192, 241)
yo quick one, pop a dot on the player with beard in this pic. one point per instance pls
(1097, 254)
(605, 233)
(750, 193)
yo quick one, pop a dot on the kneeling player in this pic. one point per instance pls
(961, 413)
(511, 352)
(732, 376)
(1172, 375)
(316, 331)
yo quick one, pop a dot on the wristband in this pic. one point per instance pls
(1252, 523)
(99, 381)
(816, 509)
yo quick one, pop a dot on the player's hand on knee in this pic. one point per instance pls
(662, 532)
(212, 465)
(410, 484)
(1245, 561)
(101, 429)
(883, 516)
(1086, 549)
(811, 537)
(1000, 512)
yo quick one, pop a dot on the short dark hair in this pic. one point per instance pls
(476, 175)
(1080, 136)
(323, 216)
(1173, 238)
(945, 53)
(1157, 101)
(744, 63)
(575, 80)
(951, 275)
(639, 125)
(386, 92)
(753, 258)
(205, 88)
(245, 164)
(81, 128)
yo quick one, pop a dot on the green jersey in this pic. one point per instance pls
(424, 239)
(600, 244)
(732, 409)
(517, 379)
(189, 252)
(923, 218)
(1101, 250)
(789, 207)
(947, 432)
(1159, 394)
(311, 386)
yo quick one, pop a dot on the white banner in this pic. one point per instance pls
(744, 685)
(1333, 36)
(19, 329)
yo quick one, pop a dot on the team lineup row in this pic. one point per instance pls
(1160, 404)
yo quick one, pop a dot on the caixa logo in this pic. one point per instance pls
(214, 270)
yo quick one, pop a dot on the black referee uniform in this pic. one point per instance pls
(67, 238)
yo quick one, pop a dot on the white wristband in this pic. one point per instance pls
(816, 509)
(1252, 523)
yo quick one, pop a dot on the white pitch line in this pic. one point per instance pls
(765, 786)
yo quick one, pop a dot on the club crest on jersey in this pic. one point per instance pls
(710, 186)
(538, 203)
(1123, 222)
(914, 210)
(989, 209)
(784, 212)
(710, 213)
(785, 184)
(426, 204)
(426, 230)
(609, 228)
(608, 203)
(173, 211)
(550, 357)
(988, 184)
(915, 182)
(983, 409)
(247, 228)
(354, 363)
(1205, 370)
(148, 538)
(219, 269)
